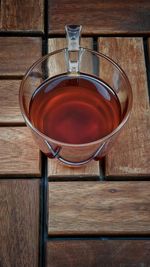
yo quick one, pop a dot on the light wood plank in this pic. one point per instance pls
(22, 16)
(57, 169)
(19, 223)
(17, 54)
(99, 208)
(98, 253)
(9, 102)
(130, 156)
(58, 43)
(19, 155)
(100, 17)
(54, 167)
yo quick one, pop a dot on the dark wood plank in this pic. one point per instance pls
(9, 104)
(54, 167)
(22, 15)
(97, 253)
(18, 53)
(19, 155)
(19, 223)
(99, 208)
(130, 156)
(100, 17)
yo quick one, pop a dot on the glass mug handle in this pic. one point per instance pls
(73, 164)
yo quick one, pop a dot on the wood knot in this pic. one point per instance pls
(112, 190)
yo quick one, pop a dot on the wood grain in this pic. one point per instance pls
(130, 156)
(18, 53)
(58, 65)
(22, 15)
(100, 17)
(54, 167)
(97, 253)
(58, 43)
(9, 104)
(19, 155)
(19, 223)
(57, 169)
(99, 208)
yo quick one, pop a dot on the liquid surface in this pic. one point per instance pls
(75, 109)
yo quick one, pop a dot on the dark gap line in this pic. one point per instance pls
(73, 179)
(41, 213)
(95, 43)
(97, 178)
(46, 18)
(102, 169)
(103, 237)
(19, 177)
(21, 33)
(12, 124)
(11, 77)
(98, 35)
(43, 209)
(147, 63)
(44, 184)
(8, 177)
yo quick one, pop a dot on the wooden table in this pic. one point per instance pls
(97, 215)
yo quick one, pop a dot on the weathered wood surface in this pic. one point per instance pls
(99, 208)
(54, 167)
(100, 17)
(9, 102)
(22, 15)
(17, 54)
(57, 169)
(19, 155)
(19, 223)
(58, 43)
(96, 253)
(130, 156)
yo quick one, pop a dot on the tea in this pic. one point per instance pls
(75, 109)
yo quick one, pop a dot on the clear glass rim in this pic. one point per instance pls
(51, 140)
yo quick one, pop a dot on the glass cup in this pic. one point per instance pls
(73, 60)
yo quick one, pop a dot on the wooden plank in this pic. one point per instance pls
(96, 253)
(19, 155)
(57, 169)
(18, 53)
(22, 16)
(100, 17)
(58, 43)
(54, 167)
(19, 223)
(99, 208)
(58, 64)
(9, 103)
(130, 156)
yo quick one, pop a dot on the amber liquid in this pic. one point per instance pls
(75, 109)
